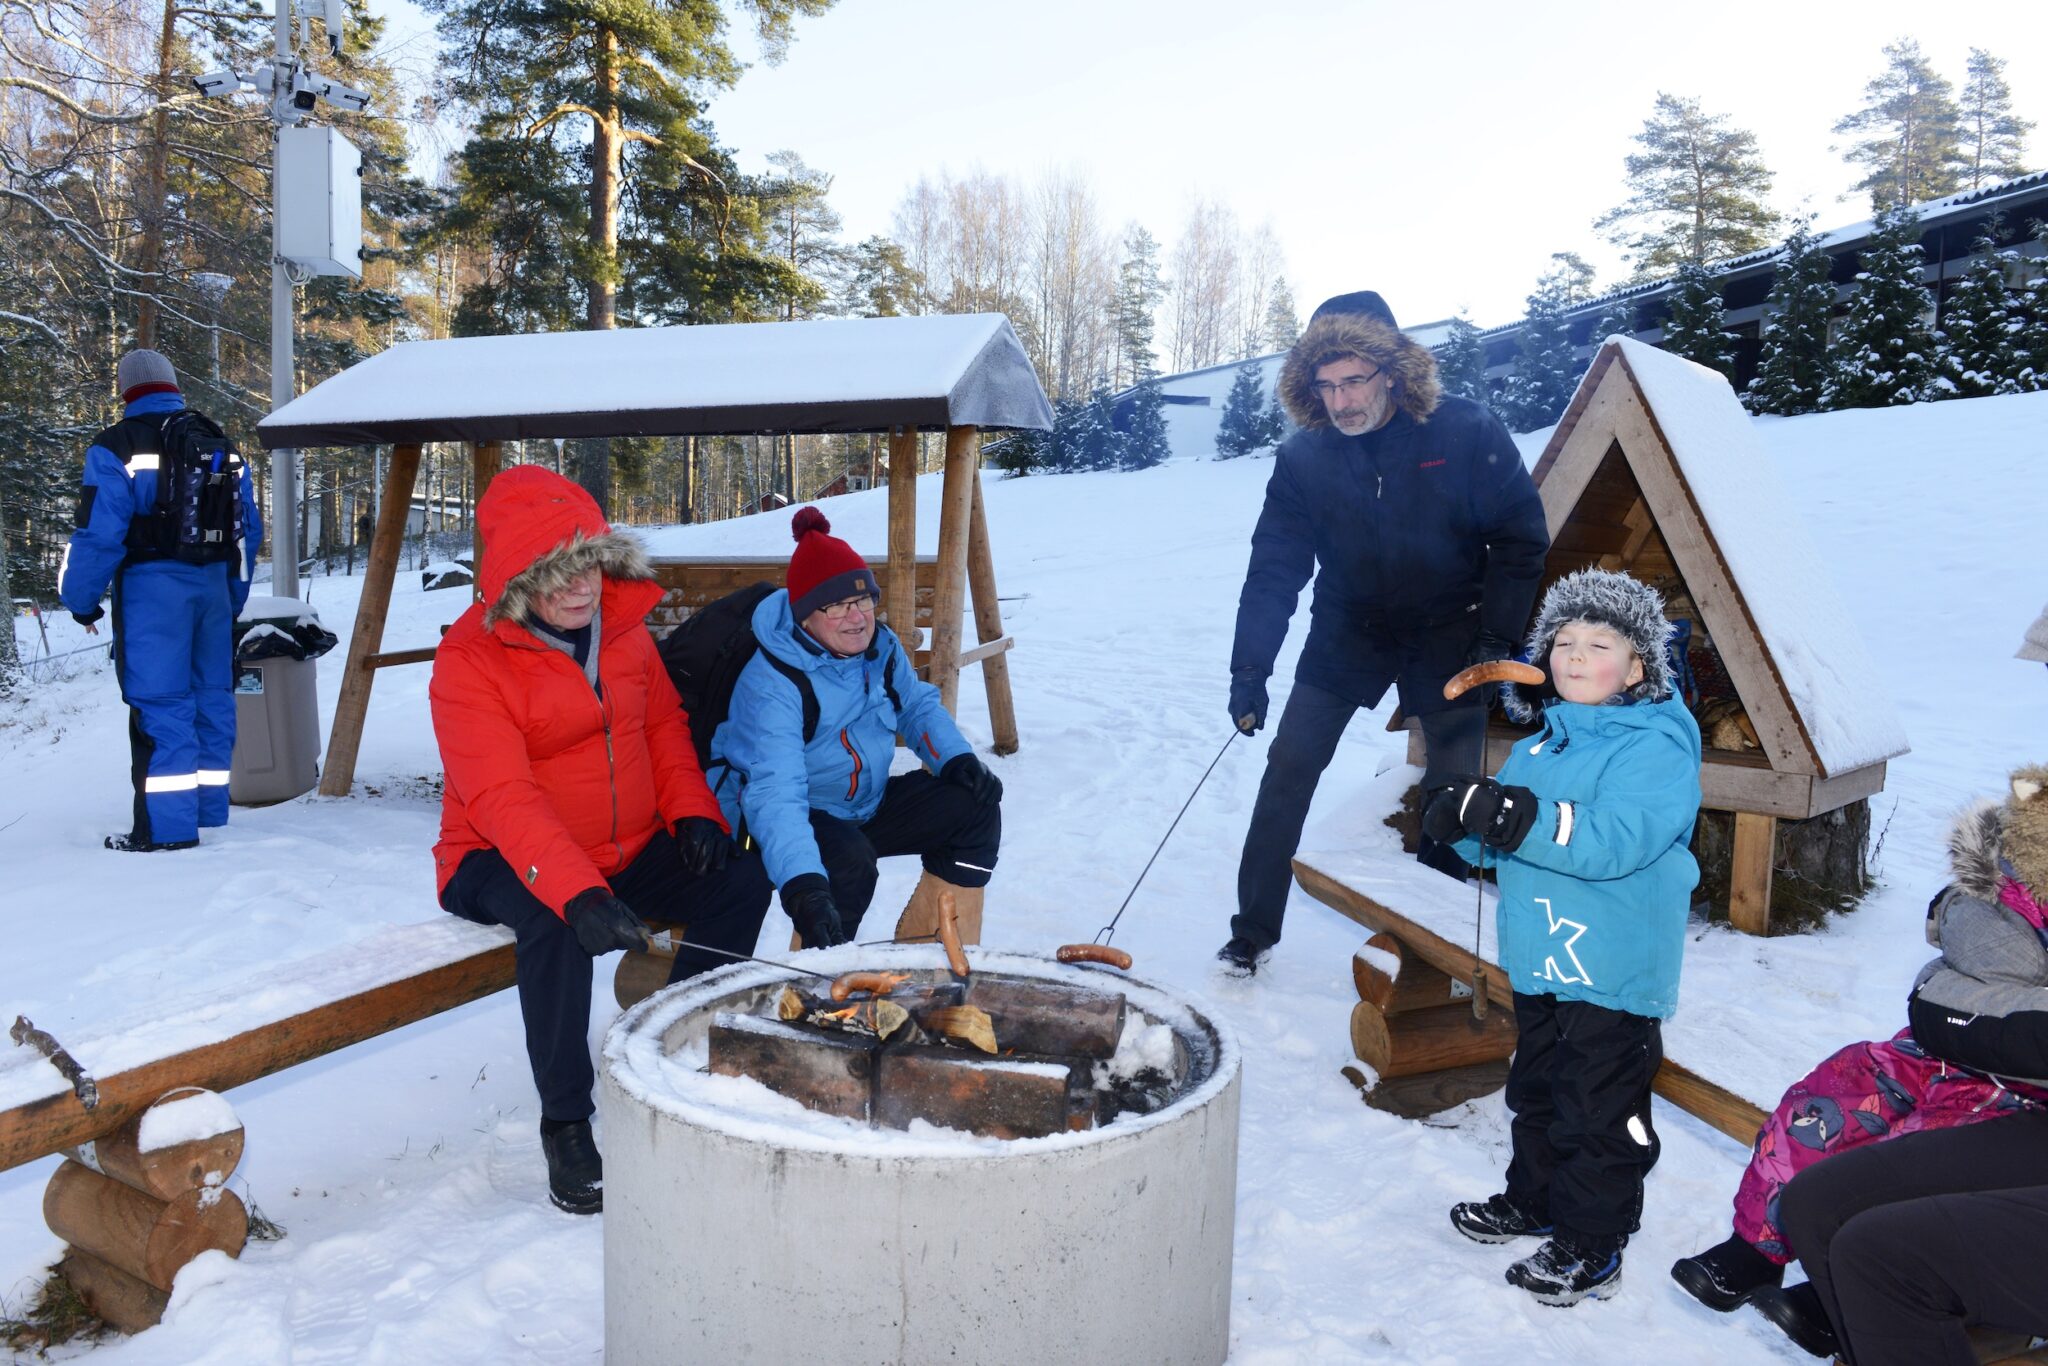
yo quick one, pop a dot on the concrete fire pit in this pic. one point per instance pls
(741, 1227)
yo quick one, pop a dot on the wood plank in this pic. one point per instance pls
(956, 512)
(988, 626)
(832, 1073)
(1732, 1114)
(1749, 873)
(346, 736)
(57, 1121)
(1045, 1018)
(423, 654)
(485, 460)
(898, 609)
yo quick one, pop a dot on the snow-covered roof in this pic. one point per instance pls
(1829, 679)
(836, 375)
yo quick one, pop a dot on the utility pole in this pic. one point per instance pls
(284, 464)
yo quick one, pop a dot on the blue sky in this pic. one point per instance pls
(1437, 154)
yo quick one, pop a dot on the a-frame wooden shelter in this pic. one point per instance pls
(1655, 469)
(959, 374)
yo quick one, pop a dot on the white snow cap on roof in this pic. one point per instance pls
(1790, 592)
(840, 374)
(2034, 645)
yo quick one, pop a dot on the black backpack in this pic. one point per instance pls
(704, 657)
(197, 517)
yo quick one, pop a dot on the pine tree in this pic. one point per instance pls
(878, 282)
(1982, 325)
(1060, 448)
(1145, 441)
(1994, 138)
(1546, 371)
(1914, 149)
(1020, 452)
(1797, 365)
(2031, 344)
(1696, 191)
(1618, 319)
(1461, 362)
(1098, 444)
(1283, 327)
(1695, 327)
(1139, 289)
(1886, 348)
(1243, 427)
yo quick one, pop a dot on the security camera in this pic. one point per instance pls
(303, 99)
(217, 83)
(342, 96)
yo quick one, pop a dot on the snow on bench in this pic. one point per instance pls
(252, 1028)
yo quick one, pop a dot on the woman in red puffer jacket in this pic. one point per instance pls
(574, 805)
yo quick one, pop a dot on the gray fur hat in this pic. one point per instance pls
(1630, 608)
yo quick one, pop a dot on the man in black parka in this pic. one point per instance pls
(1426, 538)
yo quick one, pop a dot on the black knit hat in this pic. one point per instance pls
(1363, 301)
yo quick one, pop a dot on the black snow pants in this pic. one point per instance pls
(723, 909)
(1909, 1241)
(955, 836)
(1579, 1090)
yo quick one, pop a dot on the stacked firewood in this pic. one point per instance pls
(1415, 1027)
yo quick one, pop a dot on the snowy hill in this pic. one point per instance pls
(408, 1171)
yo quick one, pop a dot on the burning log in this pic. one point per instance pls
(831, 1072)
(148, 1238)
(967, 1024)
(1050, 1018)
(188, 1139)
(878, 1016)
(995, 1098)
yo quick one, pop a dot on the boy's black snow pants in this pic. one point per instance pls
(1910, 1240)
(1579, 1089)
(723, 909)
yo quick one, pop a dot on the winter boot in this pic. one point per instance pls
(1798, 1313)
(1726, 1275)
(1496, 1220)
(1561, 1273)
(920, 919)
(575, 1171)
(1241, 957)
(128, 844)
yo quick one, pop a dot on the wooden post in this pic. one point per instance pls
(357, 675)
(988, 626)
(485, 459)
(902, 590)
(1749, 873)
(956, 511)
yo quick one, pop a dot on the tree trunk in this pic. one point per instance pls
(605, 144)
(1818, 865)
(156, 159)
(10, 663)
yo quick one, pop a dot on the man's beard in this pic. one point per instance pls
(1358, 421)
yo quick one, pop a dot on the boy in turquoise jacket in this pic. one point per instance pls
(1589, 823)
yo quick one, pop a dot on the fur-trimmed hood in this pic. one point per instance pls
(1993, 840)
(1340, 336)
(540, 531)
(1610, 599)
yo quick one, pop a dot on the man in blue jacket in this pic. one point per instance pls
(1426, 539)
(166, 517)
(801, 764)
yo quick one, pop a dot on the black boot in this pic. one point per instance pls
(1496, 1219)
(1726, 1275)
(575, 1171)
(1241, 957)
(1799, 1314)
(129, 844)
(1561, 1273)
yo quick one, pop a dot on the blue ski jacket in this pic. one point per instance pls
(108, 499)
(764, 773)
(1593, 904)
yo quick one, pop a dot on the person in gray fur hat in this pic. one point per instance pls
(1425, 537)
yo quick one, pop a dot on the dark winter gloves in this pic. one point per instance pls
(1248, 700)
(1499, 817)
(603, 922)
(703, 844)
(88, 618)
(964, 770)
(1487, 648)
(808, 899)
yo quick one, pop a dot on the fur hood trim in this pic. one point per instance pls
(1345, 336)
(617, 554)
(1992, 840)
(1624, 604)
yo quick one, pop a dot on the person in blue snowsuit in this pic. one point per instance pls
(174, 532)
(1590, 822)
(822, 810)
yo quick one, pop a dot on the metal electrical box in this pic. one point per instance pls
(319, 200)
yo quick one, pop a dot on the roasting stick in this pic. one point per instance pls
(843, 985)
(1478, 676)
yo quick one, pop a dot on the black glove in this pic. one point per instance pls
(1248, 700)
(88, 618)
(965, 770)
(1499, 816)
(807, 898)
(1486, 648)
(1440, 809)
(603, 922)
(703, 844)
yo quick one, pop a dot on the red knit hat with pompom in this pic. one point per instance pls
(824, 568)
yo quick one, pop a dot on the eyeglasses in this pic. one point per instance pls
(836, 611)
(1349, 388)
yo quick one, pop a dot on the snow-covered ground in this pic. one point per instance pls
(407, 1170)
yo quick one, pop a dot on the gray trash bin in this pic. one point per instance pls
(277, 714)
